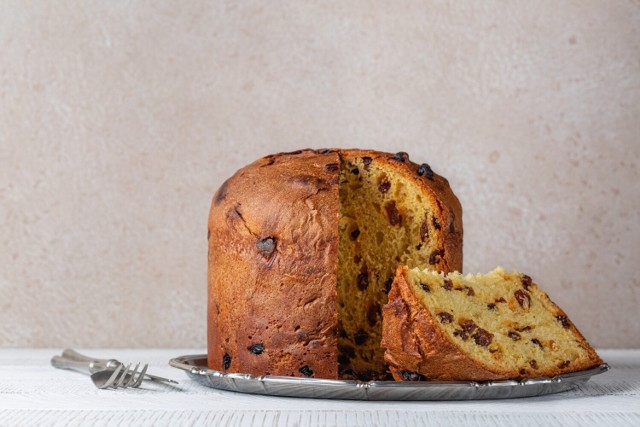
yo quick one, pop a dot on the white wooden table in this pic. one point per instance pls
(34, 393)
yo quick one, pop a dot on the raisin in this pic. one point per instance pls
(310, 182)
(483, 337)
(445, 317)
(452, 228)
(384, 186)
(344, 360)
(419, 246)
(564, 321)
(357, 259)
(367, 162)
(221, 194)
(424, 231)
(306, 371)
(363, 281)
(411, 376)
(436, 256)
(564, 364)
(425, 287)
(372, 314)
(436, 223)
(533, 364)
(324, 151)
(469, 326)
(460, 333)
(345, 373)
(523, 371)
(523, 298)
(257, 348)
(355, 171)
(354, 234)
(491, 306)
(514, 335)
(366, 375)
(226, 361)
(335, 181)
(266, 245)
(293, 153)
(393, 214)
(360, 337)
(501, 300)
(447, 284)
(387, 376)
(208, 234)
(387, 285)
(470, 291)
(537, 342)
(331, 167)
(342, 333)
(425, 170)
(526, 281)
(523, 328)
(347, 350)
(401, 156)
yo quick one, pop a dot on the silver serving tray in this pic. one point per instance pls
(196, 368)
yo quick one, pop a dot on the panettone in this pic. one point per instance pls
(493, 326)
(303, 247)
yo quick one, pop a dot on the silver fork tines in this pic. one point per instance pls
(141, 376)
(112, 378)
(129, 378)
(123, 377)
(132, 381)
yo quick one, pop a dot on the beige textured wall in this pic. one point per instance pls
(118, 121)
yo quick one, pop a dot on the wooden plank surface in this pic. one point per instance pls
(34, 393)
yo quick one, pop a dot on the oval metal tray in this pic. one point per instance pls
(196, 368)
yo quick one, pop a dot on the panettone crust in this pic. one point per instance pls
(277, 295)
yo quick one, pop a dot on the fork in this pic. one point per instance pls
(108, 363)
(105, 377)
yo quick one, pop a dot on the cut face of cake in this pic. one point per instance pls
(386, 219)
(494, 326)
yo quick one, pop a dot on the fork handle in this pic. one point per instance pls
(75, 356)
(66, 363)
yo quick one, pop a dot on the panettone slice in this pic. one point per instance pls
(494, 326)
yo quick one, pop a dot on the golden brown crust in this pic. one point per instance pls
(415, 343)
(273, 253)
(277, 294)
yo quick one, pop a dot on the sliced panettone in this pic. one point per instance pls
(493, 326)
(303, 247)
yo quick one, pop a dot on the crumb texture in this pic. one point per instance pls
(491, 326)
(387, 218)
